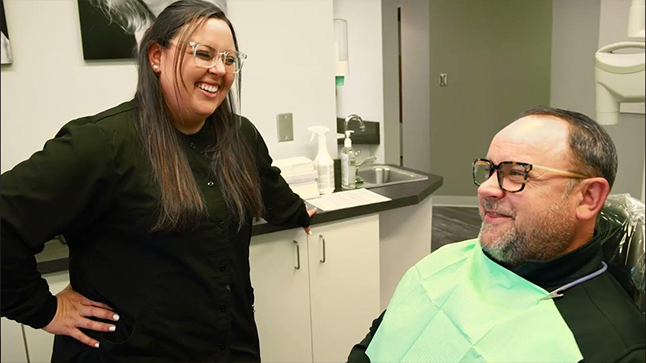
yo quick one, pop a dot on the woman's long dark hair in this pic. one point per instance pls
(181, 203)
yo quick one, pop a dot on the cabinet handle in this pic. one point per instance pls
(298, 256)
(322, 238)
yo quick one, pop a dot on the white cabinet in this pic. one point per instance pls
(13, 343)
(279, 273)
(344, 285)
(317, 312)
(40, 343)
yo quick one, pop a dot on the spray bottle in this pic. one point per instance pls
(323, 162)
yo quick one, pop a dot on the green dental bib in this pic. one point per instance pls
(456, 305)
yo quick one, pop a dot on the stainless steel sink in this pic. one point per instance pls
(379, 175)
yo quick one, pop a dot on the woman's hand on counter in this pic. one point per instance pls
(72, 314)
(311, 212)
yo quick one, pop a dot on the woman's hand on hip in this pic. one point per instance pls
(73, 313)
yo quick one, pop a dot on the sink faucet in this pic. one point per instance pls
(354, 117)
(367, 161)
(358, 179)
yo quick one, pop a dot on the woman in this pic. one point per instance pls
(155, 198)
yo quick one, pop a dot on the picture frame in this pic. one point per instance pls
(112, 30)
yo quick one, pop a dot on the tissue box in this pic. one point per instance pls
(300, 177)
(297, 165)
(308, 190)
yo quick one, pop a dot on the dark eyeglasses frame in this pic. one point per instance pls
(526, 167)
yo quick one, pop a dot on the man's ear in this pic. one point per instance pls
(155, 56)
(594, 192)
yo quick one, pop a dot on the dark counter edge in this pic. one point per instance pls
(401, 195)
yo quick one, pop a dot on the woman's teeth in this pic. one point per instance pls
(208, 88)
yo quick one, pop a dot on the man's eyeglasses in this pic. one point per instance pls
(207, 57)
(512, 175)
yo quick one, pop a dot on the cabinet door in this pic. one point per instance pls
(279, 274)
(40, 343)
(13, 343)
(344, 285)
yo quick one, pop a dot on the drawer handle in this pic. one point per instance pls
(322, 239)
(298, 256)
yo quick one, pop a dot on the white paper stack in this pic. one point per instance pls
(301, 176)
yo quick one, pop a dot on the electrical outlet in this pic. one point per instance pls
(285, 127)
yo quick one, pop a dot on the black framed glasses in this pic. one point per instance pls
(208, 57)
(512, 175)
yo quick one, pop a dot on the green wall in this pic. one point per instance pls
(497, 54)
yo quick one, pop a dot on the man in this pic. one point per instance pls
(541, 187)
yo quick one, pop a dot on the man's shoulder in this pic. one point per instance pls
(604, 320)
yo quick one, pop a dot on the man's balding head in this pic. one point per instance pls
(593, 150)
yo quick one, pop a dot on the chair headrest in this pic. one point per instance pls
(620, 227)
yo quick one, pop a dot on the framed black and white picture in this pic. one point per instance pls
(111, 29)
(7, 58)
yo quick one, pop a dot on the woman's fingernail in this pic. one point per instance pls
(112, 328)
(309, 232)
(96, 345)
(115, 317)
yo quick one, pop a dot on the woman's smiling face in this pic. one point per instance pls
(193, 93)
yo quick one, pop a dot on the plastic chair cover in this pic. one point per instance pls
(620, 226)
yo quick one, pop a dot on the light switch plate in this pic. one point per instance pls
(444, 80)
(285, 125)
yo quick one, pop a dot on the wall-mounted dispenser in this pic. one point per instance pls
(341, 50)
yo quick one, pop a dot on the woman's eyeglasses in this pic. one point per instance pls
(207, 57)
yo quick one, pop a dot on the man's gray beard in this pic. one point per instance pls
(549, 236)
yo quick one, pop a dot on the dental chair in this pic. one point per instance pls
(620, 226)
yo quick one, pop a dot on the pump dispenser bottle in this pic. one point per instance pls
(323, 162)
(348, 163)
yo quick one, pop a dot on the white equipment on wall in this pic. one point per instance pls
(619, 76)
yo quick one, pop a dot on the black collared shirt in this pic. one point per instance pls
(181, 296)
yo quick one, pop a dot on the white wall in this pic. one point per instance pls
(416, 94)
(362, 92)
(48, 83)
(290, 69)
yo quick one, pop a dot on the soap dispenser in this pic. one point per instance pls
(348, 163)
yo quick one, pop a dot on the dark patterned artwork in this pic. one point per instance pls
(7, 58)
(110, 29)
